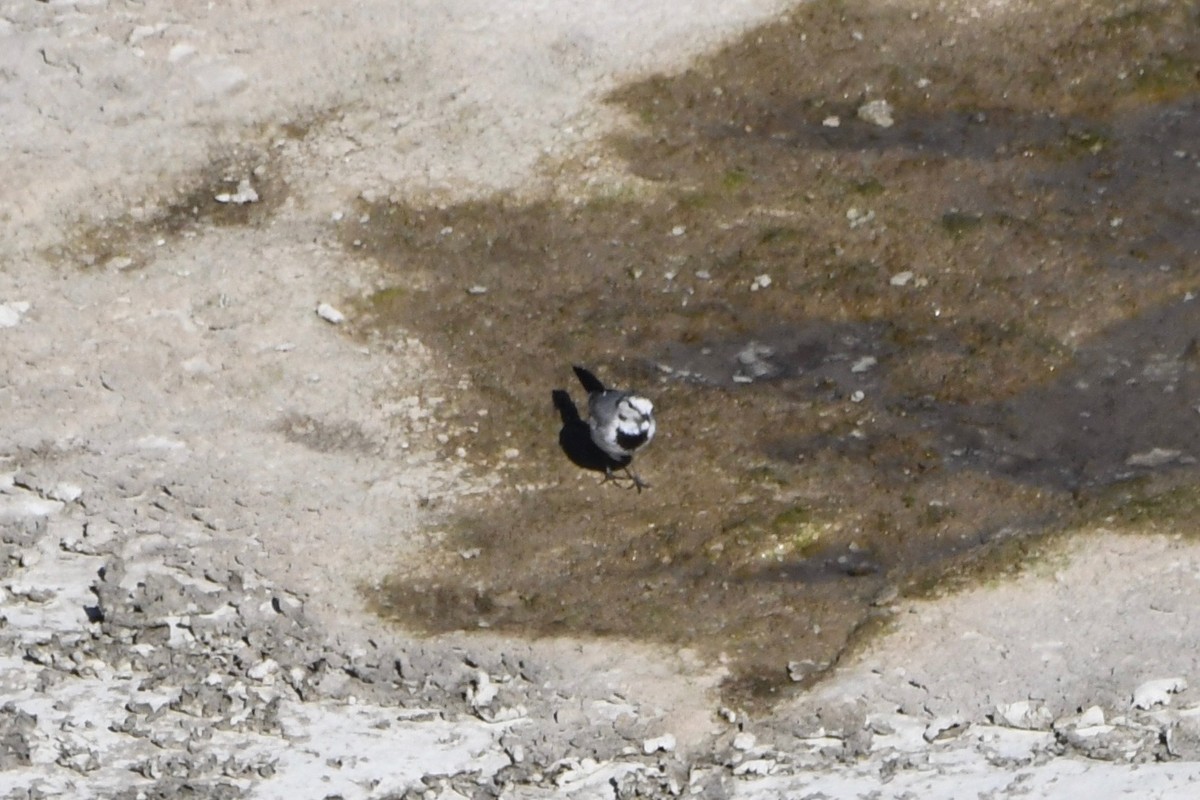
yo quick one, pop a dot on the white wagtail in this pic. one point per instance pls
(621, 423)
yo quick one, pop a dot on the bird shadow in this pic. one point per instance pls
(575, 438)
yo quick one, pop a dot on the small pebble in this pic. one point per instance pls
(944, 728)
(263, 669)
(1157, 692)
(863, 364)
(757, 766)
(180, 52)
(1155, 457)
(665, 743)
(760, 282)
(877, 112)
(744, 741)
(330, 314)
(857, 217)
(11, 313)
(245, 194)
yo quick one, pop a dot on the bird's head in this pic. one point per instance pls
(635, 409)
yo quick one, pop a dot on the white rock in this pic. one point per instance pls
(863, 364)
(755, 766)
(857, 217)
(901, 278)
(665, 743)
(11, 313)
(245, 194)
(263, 669)
(477, 289)
(1092, 731)
(24, 506)
(877, 112)
(178, 633)
(482, 691)
(799, 670)
(66, 492)
(330, 314)
(1092, 717)
(506, 714)
(744, 741)
(1157, 457)
(831, 122)
(760, 282)
(180, 51)
(1023, 714)
(944, 728)
(1157, 692)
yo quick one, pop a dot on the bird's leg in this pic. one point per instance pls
(638, 483)
(635, 481)
(609, 476)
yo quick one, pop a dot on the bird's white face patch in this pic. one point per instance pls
(634, 415)
(640, 405)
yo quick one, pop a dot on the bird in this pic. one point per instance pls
(621, 423)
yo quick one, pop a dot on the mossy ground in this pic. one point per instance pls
(1039, 184)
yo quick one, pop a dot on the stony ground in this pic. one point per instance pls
(199, 473)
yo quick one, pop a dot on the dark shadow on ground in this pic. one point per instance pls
(575, 437)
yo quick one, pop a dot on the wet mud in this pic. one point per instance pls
(880, 356)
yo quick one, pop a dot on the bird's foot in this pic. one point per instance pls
(635, 482)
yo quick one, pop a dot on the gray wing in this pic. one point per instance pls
(602, 406)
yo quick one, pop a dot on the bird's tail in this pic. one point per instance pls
(590, 382)
(566, 407)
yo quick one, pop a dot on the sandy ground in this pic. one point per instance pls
(193, 463)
